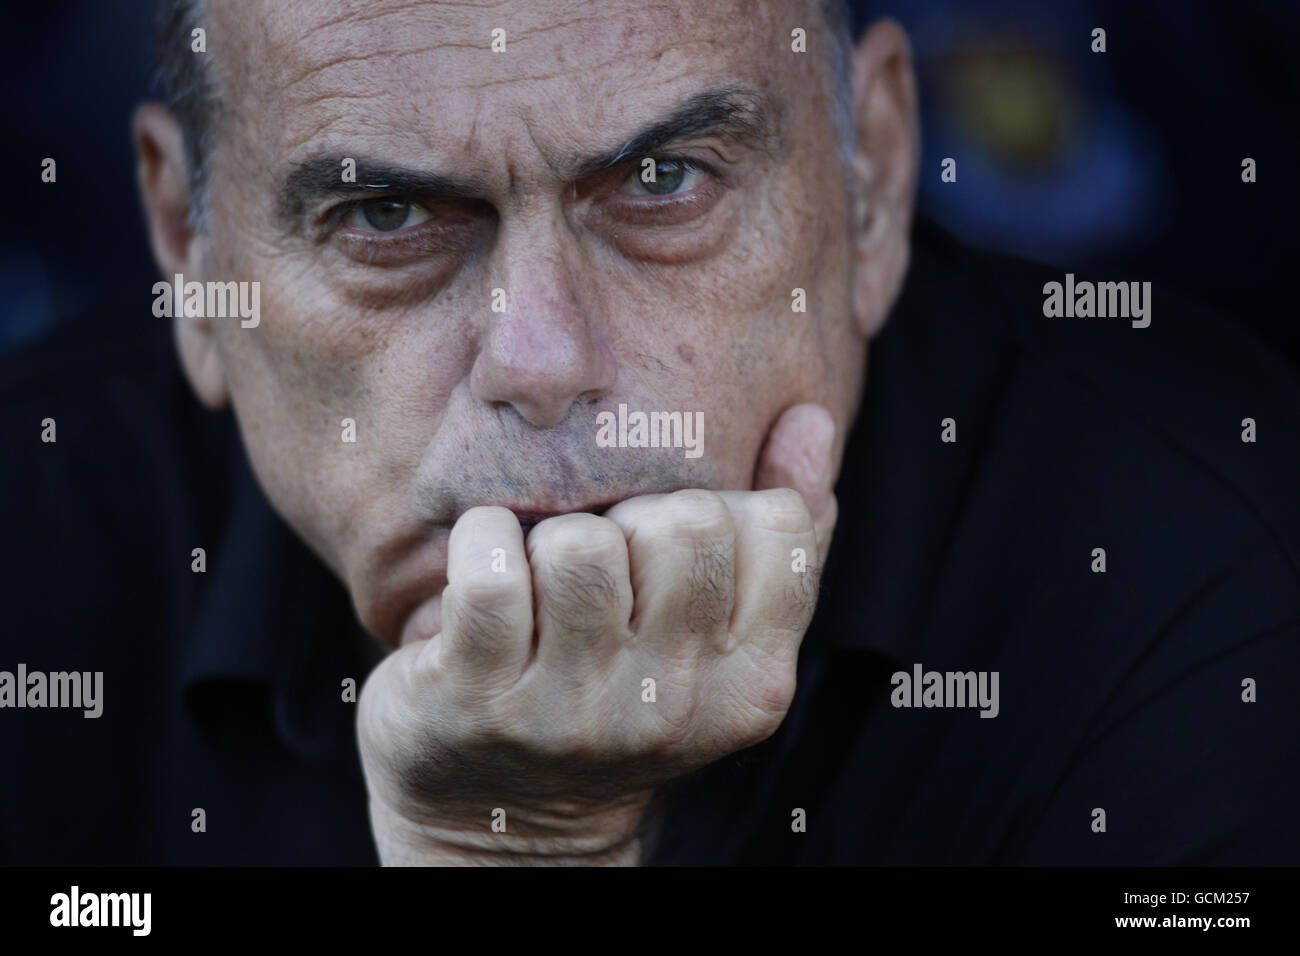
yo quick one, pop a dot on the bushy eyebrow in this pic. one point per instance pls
(732, 113)
(322, 176)
(736, 114)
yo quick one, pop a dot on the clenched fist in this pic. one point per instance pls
(579, 669)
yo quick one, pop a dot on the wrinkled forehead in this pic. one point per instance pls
(468, 78)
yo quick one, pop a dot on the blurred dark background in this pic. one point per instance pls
(1125, 164)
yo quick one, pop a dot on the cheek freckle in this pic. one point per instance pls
(687, 353)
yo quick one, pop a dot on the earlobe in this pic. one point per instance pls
(885, 170)
(201, 360)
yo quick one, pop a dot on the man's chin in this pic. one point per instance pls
(424, 623)
(394, 586)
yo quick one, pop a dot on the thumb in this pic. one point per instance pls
(798, 455)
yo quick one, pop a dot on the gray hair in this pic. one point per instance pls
(190, 90)
(837, 20)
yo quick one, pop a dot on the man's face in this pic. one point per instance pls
(495, 170)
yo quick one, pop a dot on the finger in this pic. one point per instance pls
(583, 593)
(487, 606)
(776, 571)
(799, 454)
(681, 553)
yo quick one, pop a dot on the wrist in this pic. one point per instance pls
(556, 836)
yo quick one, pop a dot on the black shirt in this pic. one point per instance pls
(1118, 691)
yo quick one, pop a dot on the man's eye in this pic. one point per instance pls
(385, 215)
(671, 176)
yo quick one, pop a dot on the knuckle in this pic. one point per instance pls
(580, 571)
(693, 513)
(767, 703)
(485, 592)
(775, 692)
(579, 598)
(576, 538)
(711, 588)
(481, 626)
(798, 602)
(756, 697)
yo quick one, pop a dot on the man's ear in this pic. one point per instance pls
(162, 174)
(885, 170)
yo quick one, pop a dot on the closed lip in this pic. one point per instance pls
(530, 515)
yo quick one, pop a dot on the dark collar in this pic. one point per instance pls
(901, 490)
(275, 630)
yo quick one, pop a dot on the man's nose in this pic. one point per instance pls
(545, 350)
